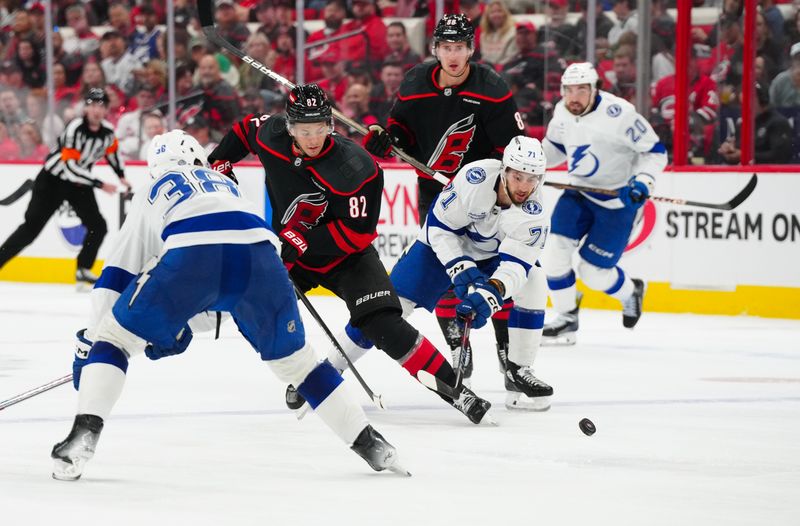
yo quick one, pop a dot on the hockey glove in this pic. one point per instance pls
(635, 194)
(293, 246)
(225, 168)
(82, 348)
(378, 141)
(155, 352)
(463, 273)
(483, 301)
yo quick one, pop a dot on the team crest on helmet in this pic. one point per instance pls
(476, 175)
(532, 207)
(614, 110)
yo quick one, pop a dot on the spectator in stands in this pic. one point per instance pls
(9, 149)
(118, 63)
(792, 29)
(11, 76)
(116, 103)
(21, 29)
(144, 44)
(371, 46)
(259, 48)
(474, 11)
(528, 63)
(228, 24)
(36, 15)
(265, 15)
(154, 75)
(197, 127)
(624, 85)
(767, 46)
(662, 27)
(29, 62)
(49, 123)
(356, 106)
(85, 41)
(153, 124)
(774, 19)
(334, 14)
(182, 54)
(254, 102)
(627, 20)
(221, 102)
(92, 77)
(399, 49)
(11, 113)
(186, 14)
(497, 34)
(72, 61)
(334, 80)
(384, 93)
(31, 147)
(772, 135)
(558, 34)
(603, 25)
(285, 61)
(119, 16)
(784, 91)
(189, 96)
(130, 123)
(284, 16)
(65, 95)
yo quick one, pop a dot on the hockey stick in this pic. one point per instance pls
(16, 194)
(729, 205)
(35, 391)
(462, 354)
(376, 398)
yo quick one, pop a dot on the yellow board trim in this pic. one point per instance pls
(768, 302)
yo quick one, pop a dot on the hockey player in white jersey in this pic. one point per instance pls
(607, 145)
(190, 245)
(483, 235)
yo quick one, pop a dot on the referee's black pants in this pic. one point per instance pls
(48, 193)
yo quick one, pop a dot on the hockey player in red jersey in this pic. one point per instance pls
(450, 113)
(325, 194)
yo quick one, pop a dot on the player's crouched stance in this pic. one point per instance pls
(483, 235)
(190, 245)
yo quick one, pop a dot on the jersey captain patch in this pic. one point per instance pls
(476, 175)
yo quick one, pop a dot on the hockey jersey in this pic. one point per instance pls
(467, 221)
(605, 147)
(333, 199)
(184, 206)
(447, 128)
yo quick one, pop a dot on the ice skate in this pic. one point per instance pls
(525, 391)
(71, 455)
(502, 357)
(296, 402)
(562, 330)
(85, 279)
(473, 406)
(466, 378)
(632, 307)
(379, 454)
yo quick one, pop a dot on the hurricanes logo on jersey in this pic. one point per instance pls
(449, 153)
(305, 211)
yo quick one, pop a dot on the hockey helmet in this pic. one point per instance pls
(308, 103)
(525, 154)
(580, 73)
(96, 95)
(454, 28)
(174, 148)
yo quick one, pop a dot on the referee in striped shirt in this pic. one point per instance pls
(67, 176)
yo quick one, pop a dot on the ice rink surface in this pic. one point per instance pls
(697, 424)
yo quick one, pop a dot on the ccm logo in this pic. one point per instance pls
(599, 251)
(372, 296)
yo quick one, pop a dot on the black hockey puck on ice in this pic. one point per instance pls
(587, 426)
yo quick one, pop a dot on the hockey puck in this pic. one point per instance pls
(587, 426)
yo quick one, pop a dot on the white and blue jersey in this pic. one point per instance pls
(605, 148)
(466, 222)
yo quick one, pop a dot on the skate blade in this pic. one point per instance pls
(488, 420)
(559, 341)
(522, 403)
(302, 411)
(66, 471)
(397, 469)
(82, 286)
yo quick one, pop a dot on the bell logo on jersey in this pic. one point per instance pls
(305, 211)
(449, 153)
(583, 163)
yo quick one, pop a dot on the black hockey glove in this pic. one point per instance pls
(378, 141)
(293, 245)
(225, 168)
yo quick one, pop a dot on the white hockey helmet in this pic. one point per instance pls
(175, 148)
(579, 73)
(525, 154)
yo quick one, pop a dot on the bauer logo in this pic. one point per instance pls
(372, 295)
(532, 207)
(614, 110)
(476, 175)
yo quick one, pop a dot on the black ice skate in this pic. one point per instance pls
(632, 307)
(85, 279)
(473, 406)
(466, 378)
(563, 329)
(525, 391)
(379, 454)
(296, 402)
(72, 453)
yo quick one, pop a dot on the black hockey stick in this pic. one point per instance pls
(440, 386)
(376, 398)
(729, 205)
(16, 194)
(462, 354)
(35, 391)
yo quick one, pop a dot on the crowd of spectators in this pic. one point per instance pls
(119, 45)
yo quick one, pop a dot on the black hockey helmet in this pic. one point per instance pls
(308, 103)
(96, 95)
(454, 28)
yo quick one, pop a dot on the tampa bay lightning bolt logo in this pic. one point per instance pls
(583, 163)
(532, 207)
(476, 175)
(614, 110)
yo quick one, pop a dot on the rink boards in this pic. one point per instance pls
(694, 259)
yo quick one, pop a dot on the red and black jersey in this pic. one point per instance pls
(447, 128)
(332, 199)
